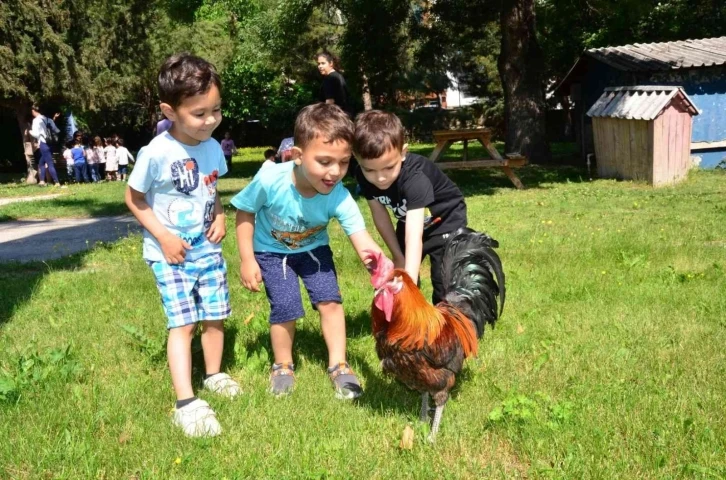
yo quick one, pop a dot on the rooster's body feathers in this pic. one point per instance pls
(425, 346)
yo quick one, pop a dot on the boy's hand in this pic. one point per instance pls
(217, 230)
(174, 248)
(250, 275)
(399, 262)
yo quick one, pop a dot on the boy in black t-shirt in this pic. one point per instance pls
(428, 205)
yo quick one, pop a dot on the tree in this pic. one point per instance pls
(521, 68)
(493, 50)
(77, 53)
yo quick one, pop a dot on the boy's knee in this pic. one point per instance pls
(329, 307)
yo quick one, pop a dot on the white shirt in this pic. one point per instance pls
(123, 156)
(39, 130)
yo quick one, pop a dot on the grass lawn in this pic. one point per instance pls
(607, 363)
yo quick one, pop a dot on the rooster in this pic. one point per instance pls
(425, 346)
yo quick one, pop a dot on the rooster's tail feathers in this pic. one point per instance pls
(473, 277)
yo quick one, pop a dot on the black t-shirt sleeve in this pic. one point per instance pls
(418, 191)
(332, 88)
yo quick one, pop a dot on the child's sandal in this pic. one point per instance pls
(282, 379)
(345, 381)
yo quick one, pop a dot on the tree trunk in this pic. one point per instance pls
(367, 103)
(22, 113)
(521, 68)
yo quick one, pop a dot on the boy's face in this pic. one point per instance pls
(322, 164)
(196, 117)
(384, 170)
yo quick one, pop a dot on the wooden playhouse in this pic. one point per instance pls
(643, 133)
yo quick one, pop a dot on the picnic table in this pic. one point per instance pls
(445, 138)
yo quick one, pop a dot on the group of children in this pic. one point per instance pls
(281, 226)
(94, 159)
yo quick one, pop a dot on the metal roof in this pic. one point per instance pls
(638, 102)
(648, 57)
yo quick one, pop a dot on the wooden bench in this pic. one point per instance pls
(445, 138)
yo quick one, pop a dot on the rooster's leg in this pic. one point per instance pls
(424, 407)
(437, 420)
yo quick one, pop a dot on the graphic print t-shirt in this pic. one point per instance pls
(287, 222)
(421, 184)
(180, 183)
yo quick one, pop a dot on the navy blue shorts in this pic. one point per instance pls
(280, 273)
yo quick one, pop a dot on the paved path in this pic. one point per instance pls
(5, 201)
(33, 240)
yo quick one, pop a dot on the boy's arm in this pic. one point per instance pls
(382, 221)
(249, 269)
(173, 247)
(363, 241)
(414, 241)
(218, 229)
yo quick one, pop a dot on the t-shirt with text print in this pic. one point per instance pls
(180, 185)
(420, 184)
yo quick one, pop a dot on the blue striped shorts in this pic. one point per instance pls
(193, 291)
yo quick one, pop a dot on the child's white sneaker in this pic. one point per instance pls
(197, 419)
(222, 384)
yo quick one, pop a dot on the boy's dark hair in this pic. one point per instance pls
(376, 132)
(184, 75)
(70, 144)
(270, 152)
(120, 142)
(325, 120)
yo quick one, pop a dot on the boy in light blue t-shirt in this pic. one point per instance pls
(172, 192)
(282, 221)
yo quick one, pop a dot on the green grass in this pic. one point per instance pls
(607, 363)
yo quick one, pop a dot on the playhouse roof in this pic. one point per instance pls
(643, 102)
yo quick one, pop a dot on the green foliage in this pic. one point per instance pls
(32, 369)
(255, 92)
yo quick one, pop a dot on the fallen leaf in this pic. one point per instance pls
(249, 317)
(124, 437)
(407, 438)
(520, 329)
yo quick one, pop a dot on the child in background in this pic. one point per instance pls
(98, 147)
(111, 162)
(80, 168)
(228, 148)
(68, 156)
(270, 155)
(123, 156)
(93, 161)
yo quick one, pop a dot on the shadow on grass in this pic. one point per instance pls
(18, 281)
(66, 247)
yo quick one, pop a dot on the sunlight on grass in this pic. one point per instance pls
(607, 363)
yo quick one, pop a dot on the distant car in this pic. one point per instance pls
(429, 105)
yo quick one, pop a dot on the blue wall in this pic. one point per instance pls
(706, 87)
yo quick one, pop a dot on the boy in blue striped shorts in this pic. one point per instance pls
(172, 192)
(282, 221)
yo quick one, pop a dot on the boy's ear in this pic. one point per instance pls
(404, 150)
(168, 111)
(296, 155)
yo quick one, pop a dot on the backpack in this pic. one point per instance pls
(51, 138)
